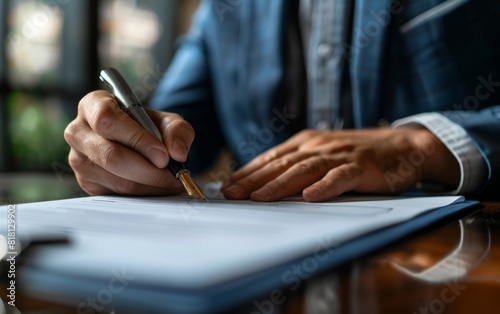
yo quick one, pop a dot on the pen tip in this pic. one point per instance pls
(191, 187)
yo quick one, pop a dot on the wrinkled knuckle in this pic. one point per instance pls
(70, 132)
(324, 164)
(187, 127)
(306, 167)
(85, 100)
(182, 126)
(308, 133)
(344, 174)
(264, 158)
(123, 186)
(110, 158)
(91, 95)
(283, 164)
(76, 162)
(250, 182)
(171, 116)
(103, 120)
(282, 184)
(136, 139)
(158, 179)
(364, 155)
(270, 155)
(328, 184)
(91, 188)
(273, 153)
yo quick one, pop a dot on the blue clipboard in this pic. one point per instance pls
(224, 296)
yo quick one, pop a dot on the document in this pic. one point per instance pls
(186, 244)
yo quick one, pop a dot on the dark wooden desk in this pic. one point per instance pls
(464, 253)
(404, 277)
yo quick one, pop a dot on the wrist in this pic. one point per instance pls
(439, 166)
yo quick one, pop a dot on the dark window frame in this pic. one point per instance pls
(79, 66)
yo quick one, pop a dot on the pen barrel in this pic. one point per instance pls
(176, 168)
(139, 114)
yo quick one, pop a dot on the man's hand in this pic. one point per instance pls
(325, 164)
(111, 153)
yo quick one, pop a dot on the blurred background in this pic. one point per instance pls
(51, 54)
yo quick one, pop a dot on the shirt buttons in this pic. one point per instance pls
(325, 50)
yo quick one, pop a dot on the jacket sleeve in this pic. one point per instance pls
(484, 129)
(186, 89)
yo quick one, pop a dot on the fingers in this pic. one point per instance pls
(111, 153)
(241, 189)
(102, 113)
(258, 162)
(294, 180)
(321, 165)
(113, 157)
(319, 178)
(178, 134)
(96, 181)
(265, 158)
(337, 181)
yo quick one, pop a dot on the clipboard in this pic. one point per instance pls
(275, 282)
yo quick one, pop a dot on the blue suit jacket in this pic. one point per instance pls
(227, 76)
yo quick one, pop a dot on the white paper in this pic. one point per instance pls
(181, 242)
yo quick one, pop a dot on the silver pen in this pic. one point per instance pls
(129, 103)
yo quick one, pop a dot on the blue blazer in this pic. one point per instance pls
(227, 76)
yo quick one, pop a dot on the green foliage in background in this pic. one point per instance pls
(36, 126)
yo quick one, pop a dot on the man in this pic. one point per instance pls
(250, 75)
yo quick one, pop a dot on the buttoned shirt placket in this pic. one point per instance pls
(323, 34)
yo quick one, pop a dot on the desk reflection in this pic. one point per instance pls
(454, 269)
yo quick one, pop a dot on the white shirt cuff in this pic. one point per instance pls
(456, 139)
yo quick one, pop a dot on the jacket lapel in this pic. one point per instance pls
(264, 48)
(368, 57)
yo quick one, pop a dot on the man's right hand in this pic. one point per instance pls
(110, 152)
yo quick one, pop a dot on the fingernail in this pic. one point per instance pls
(158, 157)
(233, 190)
(262, 193)
(180, 148)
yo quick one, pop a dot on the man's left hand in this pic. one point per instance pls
(325, 164)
